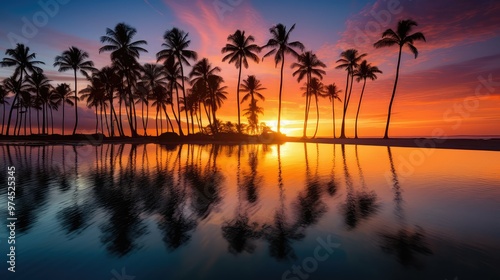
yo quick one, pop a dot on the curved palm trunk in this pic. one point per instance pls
(386, 134)
(238, 96)
(169, 120)
(156, 121)
(112, 131)
(96, 120)
(175, 116)
(76, 106)
(52, 120)
(214, 109)
(29, 112)
(64, 101)
(333, 117)
(306, 117)
(16, 97)
(281, 89)
(106, 119)
(317, 116)
(359, 107)
(178, 106)
(147, 119)
(3, 117)
(183, 94)
(102, 121)
(342, 129)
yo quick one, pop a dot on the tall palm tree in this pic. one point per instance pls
(400, 38)
(204, 73)
(110, 81)
(280, 46)
(124, 55)
(173, 75)
(364, 71)
(316, 88)
(3, 100)
(349, 61)
(19, 87)
(153, 76)
(25, 63)
(218, 95)
(332, 92)
(239, 48)
(63, 93)
(176, 45)
(36, 81)
(75, 59)
(308, 66)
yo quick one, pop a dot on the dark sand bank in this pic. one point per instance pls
(492, 144)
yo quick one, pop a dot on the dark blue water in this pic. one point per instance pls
(298, 211)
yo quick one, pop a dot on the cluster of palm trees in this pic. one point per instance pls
(115, 92)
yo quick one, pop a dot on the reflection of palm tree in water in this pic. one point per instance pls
(239, 232)
(360, 205)
(406, 242)
(367, 200)
(280, 234)
(331, 186)
(309, 206)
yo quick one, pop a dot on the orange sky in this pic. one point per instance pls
(436, 91)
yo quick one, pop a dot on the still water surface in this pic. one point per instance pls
(295, 211)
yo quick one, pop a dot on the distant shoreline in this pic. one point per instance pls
(492, 144)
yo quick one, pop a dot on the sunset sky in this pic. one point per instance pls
(453, 85)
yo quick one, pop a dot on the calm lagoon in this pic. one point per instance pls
(294, 211)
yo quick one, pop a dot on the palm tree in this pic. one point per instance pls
(3, 100)
(204, 74)
(63, 93)
(173, 75)
(110, 81)
(24, 62)
(218, 95)
(153, 76)
(349, 61)
(176, 44)
(332, 92)
(36, 81)
(308, 65)
(280, 46)
(316, 88)
(75, 59)
(124, 55)
(239, 48)
(252, 113)
(19, 87)
(365, 71)
(252, 86)
(400, 38)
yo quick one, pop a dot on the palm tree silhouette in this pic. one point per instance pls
(349, 61)
(332, 92)
(239, 48)
(204, 74)
(252, 86)
(400, 38)
(17, 87)
(24, 62)
(110, 80)
(124, 55)
(308, 65)
(173, 74)
(176, 44)
(280, 46)
(75, 59)
(365, 71)
(63, 92)
(153, 76)
(3, 100)
(36, 81)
